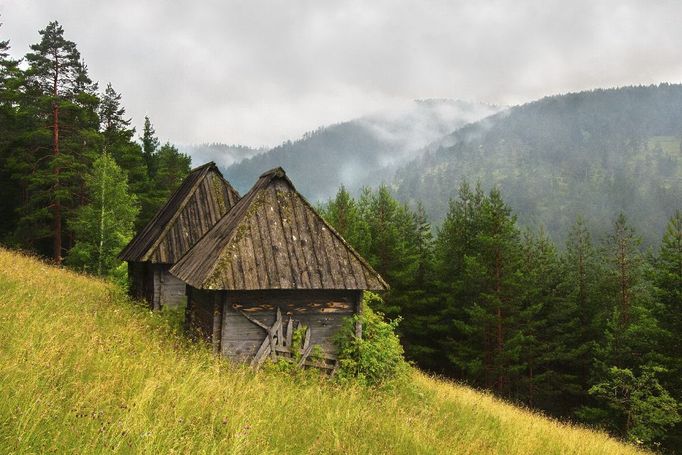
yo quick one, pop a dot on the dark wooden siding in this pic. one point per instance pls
(322, 311)
(171, 289)
(202, 198)
(136, 276)
(202, 313)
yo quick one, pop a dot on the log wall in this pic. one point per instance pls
(323, 311)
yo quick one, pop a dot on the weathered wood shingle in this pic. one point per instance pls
(274, 239)
(200, 201)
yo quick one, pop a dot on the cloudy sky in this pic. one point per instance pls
(260, 72)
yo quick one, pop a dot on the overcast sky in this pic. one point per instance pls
(260, 72)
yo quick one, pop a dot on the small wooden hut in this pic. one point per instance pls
(270, 265)
(200, 201)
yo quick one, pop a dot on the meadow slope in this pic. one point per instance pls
(82, 370)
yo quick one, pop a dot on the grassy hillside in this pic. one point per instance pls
(82, 370)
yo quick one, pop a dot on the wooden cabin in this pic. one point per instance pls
(200, 201)
(270, 265)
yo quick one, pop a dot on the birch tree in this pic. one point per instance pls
(105, 224)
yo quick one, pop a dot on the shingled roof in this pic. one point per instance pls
(200, 201)
(274, 239)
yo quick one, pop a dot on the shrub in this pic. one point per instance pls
(376, 358)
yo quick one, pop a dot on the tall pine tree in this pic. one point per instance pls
(65, 99)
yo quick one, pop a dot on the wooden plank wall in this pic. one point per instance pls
(202, 313)
(172, 290)
(321, 310)
(136, 279)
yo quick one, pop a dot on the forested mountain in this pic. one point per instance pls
(593, 153)
(362, 151)
(222, 154)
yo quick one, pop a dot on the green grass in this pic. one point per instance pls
(82, 370)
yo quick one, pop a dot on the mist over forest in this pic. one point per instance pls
(361, 152)
(592, 154)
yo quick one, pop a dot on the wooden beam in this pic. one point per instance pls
(188, 311)
(217, 321)
(358, 310)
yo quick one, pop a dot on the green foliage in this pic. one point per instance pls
(105, 224)
(376, 358)
(640, 408)
(591, 154)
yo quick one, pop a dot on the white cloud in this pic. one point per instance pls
(259, 72)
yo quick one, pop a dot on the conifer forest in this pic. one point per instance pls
(577, 316)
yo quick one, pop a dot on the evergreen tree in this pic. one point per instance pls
(171, 169)
(422, 324)
(496, 270)
(668, 278)
(104, 225)
(119, 143)
(574, 323)
(632, 331)
(343, 213)
(64, 96)
(454, 243)
(10, 129)
(540, 299)
(150, 145)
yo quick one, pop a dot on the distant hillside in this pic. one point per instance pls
(593, 153)
(359, 152)
(82, 370)
(222, 154)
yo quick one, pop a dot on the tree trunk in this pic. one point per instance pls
(57, 203)
(55, 155)
(101, 225)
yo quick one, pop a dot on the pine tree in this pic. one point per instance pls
(172, 167)
(64, 96)
(10, 130)
(497, 270)
(574, 323)
(105, 224)
(421, 326)
(119, 143)
(632, 332)
(342, 212)
(150, 145)
(540, 299)
(455, 246)
(668, 278)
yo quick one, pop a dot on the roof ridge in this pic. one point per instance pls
(199, 264)
(198, 168)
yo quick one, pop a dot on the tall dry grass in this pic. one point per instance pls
(82, 370)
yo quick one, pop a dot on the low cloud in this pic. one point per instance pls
(260, 72)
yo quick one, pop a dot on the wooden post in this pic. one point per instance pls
(156, 286)
(358, 310)
(217, 320)
(188, 310)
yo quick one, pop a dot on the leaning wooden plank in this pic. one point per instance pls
(265, 355)
(261, 353)
(273, 350)
(255, 321)
(306, 342)
(280, 325)
(304, 356)
(272, 333)
(290, 332)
